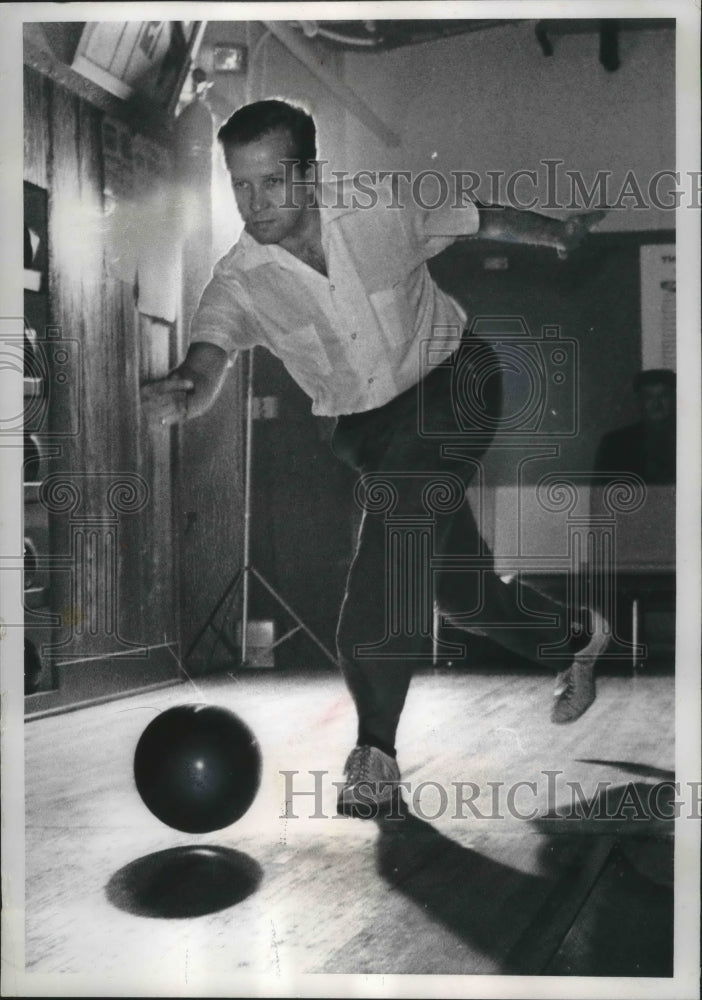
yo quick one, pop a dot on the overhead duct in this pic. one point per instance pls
(309, 56)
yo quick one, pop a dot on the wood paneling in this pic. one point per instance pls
(37, 123)
(157, 556)
(111, 524)
(77, 304)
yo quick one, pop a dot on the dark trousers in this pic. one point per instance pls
(418, 544)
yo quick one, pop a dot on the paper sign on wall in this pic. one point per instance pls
(658, 312)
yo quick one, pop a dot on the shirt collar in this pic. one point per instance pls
(255, 253)
(335, 200)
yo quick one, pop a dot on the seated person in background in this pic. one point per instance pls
(647, 447)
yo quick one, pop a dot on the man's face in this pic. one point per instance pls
(657, 402)
(270, 206)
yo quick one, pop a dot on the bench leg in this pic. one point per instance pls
(635, 633)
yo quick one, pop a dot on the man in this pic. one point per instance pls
(342, 294)
(646, 447)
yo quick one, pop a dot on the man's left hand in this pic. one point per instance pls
(576, 229)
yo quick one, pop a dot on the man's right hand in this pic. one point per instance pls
(190, 389)
(165, 402)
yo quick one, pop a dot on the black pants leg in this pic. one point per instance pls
(400, 467)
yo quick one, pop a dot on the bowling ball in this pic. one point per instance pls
(197, 767)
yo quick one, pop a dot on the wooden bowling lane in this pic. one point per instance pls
(437, 892)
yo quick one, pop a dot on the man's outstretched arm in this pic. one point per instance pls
(512, 225)
(190, 389)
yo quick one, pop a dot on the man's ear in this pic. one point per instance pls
(313, 175)
(313, 172)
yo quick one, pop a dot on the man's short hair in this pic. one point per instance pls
(252, 121)
(654, 376)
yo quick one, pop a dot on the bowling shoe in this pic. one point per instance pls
(575, 686)
(371, 783)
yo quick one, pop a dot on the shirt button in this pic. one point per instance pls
(371, 381)
(353, 336)
(333, 288)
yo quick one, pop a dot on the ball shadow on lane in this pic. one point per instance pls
(184, 882)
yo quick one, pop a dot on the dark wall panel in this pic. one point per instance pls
(210, 522)
(594, 298)
(303, 517)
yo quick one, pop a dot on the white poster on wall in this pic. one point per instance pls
(658, 342)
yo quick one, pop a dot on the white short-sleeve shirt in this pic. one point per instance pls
(355, 339)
